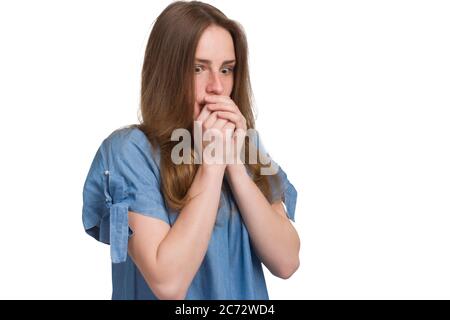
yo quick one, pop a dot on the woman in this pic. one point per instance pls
(191, 230)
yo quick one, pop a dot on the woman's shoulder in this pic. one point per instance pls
(128, 142)
(125, 136)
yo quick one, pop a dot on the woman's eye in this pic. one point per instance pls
(198, 69)
(228, 70)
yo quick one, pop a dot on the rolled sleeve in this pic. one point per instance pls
(287, 193)
(123, 177)
(285, 190)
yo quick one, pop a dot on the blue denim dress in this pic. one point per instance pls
(124, 176)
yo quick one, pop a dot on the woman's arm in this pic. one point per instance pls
(273, 236)
(169, 258)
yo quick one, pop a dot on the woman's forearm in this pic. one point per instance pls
(182, 251)
(275, 239)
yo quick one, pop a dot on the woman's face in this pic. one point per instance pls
(214, 63)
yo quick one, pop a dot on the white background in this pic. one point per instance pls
(353, 102)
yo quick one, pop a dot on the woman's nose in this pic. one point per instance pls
(214, 85)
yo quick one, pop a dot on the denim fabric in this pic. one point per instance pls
(124, 176)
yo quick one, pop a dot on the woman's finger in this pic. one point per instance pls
(223, 107)
(217, 99)
(204, 113)
(210, 120)
(238, 120)
(214, 122)
(228, 129)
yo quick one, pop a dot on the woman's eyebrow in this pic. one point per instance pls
(206, 61)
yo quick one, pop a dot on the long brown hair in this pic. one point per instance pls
(168, 93)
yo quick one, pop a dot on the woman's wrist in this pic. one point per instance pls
(213, 169)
